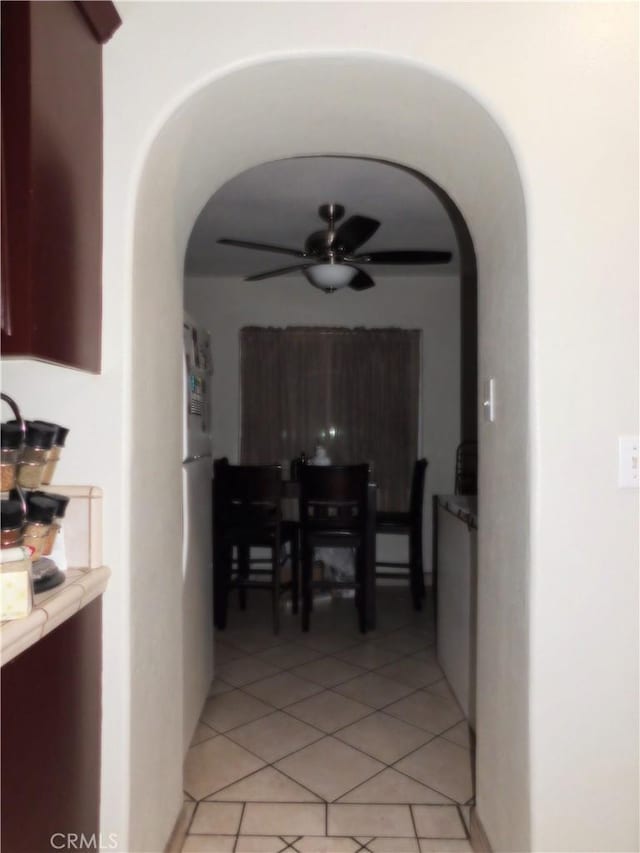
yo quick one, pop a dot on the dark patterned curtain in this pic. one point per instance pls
(354, 390)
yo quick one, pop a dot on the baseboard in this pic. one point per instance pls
(478, 837)
(177, 837)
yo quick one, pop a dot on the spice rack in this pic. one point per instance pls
(15, 487)
(25, 467)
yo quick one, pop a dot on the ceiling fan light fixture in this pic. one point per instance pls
(331, 276)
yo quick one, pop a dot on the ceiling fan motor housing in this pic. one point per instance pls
(331, 212)
(320, 243)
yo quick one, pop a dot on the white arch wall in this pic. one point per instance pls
(428, 129)
(561, 108)
(561, 80)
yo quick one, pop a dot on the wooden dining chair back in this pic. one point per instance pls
(466, 479)
(249, 515)
(407, 523)
(333, 514)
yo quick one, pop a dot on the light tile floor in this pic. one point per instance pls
(330, 741)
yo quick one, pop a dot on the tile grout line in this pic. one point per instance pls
(462, 821)
(413, 821)
(191, 819)
(244, 807)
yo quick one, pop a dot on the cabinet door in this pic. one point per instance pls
(50, 737)
(52, 187)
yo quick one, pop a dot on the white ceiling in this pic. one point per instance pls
(278, 203)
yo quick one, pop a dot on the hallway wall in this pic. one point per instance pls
(554, 118)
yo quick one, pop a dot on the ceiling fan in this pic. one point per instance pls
(330, 258)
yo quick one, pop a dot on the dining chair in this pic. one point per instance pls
(333, 514)
(466, 480)
(248, 514)
(407, 523)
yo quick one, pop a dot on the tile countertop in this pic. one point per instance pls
(465, 507)
(52, 608)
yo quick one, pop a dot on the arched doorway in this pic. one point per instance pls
(387, 110)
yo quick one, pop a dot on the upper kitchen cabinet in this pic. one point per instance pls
(52, 179)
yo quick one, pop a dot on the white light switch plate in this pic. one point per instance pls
(628, 464)
(488, 400)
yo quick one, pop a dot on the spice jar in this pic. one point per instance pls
(40, 513)
(35, 453)
(16, 598)
(56, 450)
(12, 522)
(10, 443)
(61, 502)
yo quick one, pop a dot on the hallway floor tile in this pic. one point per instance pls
(330, 741)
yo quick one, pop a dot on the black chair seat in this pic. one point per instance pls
(393, 522)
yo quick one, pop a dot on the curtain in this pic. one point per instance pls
(356, 391)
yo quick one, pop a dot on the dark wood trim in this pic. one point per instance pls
(16, 171)
(101, 16)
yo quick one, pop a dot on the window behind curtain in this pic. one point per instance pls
(354, 390)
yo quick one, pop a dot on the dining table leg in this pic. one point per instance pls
(370, 559)
(221, 578)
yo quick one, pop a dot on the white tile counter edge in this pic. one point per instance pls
(52, 608)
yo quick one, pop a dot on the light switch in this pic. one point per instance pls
(488, 400)
(628, 473)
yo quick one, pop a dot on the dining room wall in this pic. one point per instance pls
(428, 302)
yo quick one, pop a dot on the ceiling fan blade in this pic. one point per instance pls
(263, 247)
(355, 231)
(274, 273)
(362, 281)
(409, 256)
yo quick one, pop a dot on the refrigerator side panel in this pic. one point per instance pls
(197, 596)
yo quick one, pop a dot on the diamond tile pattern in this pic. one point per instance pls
(373, 689)
(330, 768)
(329, 711)
(328, 671)
(229, 710)
(274, 736)
(320, 742)
(283, 689)
(383, 737)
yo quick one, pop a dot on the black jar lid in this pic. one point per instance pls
(12, 514)
(40, 435)
(61, 501)
(10, 435)
(41, 509)
(61, 432)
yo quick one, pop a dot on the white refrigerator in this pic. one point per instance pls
(197, 550)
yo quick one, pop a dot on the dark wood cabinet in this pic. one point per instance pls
(52, 179)
(51, 723)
